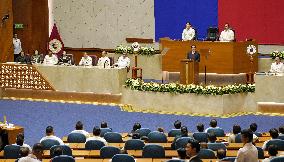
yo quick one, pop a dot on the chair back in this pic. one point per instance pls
(153, 151)
(206, 154)
(229, 159)
(113, 137)
(212, 33)
(260, 153)
(174, 133)
(134, 144)
(200, 136)
(12, 152)
(182, 142)
(111, 59)
(218, 131)
(48, 143)
(277, 159)
(143, 131)
(238, 138)
(157, 137)
(278, 142)
(63, 158)
(104, 131)
(94, 60)
(66, 150)
(71, 57)
(94, 145)
(175, 160)
(281, 137)
(122, 158)
(216, 146)
(76, 138)
(108, 151)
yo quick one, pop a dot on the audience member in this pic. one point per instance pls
(184, 133)
(20, 141)
(36, 156)
(192, 149)
(96, 133)
(135, 136)
(181, 154)
(50, 135)
(136, 126)
(86, 60)
(160, 129)
(213, 124)
(177, 124)
(253, 128)
(58, 151)
(123, 62)
(17, 46)
(200, 127)
(277, 66)
(23, 58)
(64, 59)
(236, 130)
(104, 124)
(24, 151)
(221, 153)
(248, 153)
(272, 151)
(50, 59)
(227, 34)
(188, 33)
(281, 130)
(274, 135)
(104, 61)
(212, 137)
(79, 128)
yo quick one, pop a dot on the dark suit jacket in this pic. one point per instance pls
(195, 57)
(196, 159)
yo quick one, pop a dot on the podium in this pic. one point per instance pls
(189, 72)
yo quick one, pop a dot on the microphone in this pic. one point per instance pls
(5, 17)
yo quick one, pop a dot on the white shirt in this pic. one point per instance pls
(268, 159)
(248, 153)
(17, 46)
(53, 60)
(188, 34)
(277, 68)
(81, 132)
(211, 128)
(53, 138)
(104, 62)
(86, 61)
(227, 35)
(123, 62)
(26, 145)
(97, 138)
(29, 158)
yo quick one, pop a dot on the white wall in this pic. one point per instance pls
(102, 23)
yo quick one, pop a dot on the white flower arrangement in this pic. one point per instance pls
(130, 50)
(277, 54)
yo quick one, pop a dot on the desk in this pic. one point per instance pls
(84, 79)
(13, 132)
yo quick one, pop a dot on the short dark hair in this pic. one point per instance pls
(160, 129)
(79, 125)
(253, 127)
(221, 153)
(136, 126)
(213, 123)
(135, 136)
(200, 127)
(24, 151)
(281, 129)
(236, 129)
(49, 129)
(273, 133)
(58, 151)
(194, 144)
(38, 148)
(181, 153)
(177, 124)
(20, 139)
(247, 133)
(272, 150)
(212, 137)
(96, 131)
(103, 124)
(188, 23)
(184, 130)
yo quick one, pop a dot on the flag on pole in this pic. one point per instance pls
(55, 44)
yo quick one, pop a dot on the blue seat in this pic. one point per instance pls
(206, 154)
(11, 151)
(229, 159)
(104, 131)
(122, 158)
(277, 159)
(134, 144)
(281, 137)
(66, 150)
(182, 142)
(113, 137)
(277, 142)
(238, 138)
(63, 158)
(143, 131)
(48, 143)
(175, 160)
(76, 138)
(200, 136)
(109, 151)
(94, 145)
(153, 151)
(260, 153)
(216, 146)
(174, 133)
(258, 134)
(157, 137)
(218, 132)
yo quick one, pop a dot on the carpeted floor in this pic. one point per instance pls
(35, 116)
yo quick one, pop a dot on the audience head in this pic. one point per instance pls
(281, 129)
(104, 124)
(49, 130)
(212, 137)
(135, 136)
(38, 150)
(273, 133)
(187, 25)
(236, 129)
(181, 153)
(22, 53)
(24, 151)
(177, 124)
(272, 150)
(192, 148)
(203, 145)
(64, 53)
(20, 139)
(49, 53)
(124, 54)
(253, 127)
(85, 55)
(104, 53)
(227, 26)
(96, 131)
(79, 125)
(213, 123)
(193, 48)
(15, 35)
(36, 52)
(160, 129)
(184, 131)
(200, 127)
(221, 153)
(136, 126)
(58, 151)
(247, 135)
(277, 60)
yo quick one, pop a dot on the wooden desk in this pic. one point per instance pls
(260, 139)
(13, 132)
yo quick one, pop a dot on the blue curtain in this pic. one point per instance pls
(172, 15)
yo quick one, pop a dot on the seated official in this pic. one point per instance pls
(123, 61)
(96, 135)
(192, 149)
(65, 59)
(86, 60)
(50, 59)
(227, 35)
(36, 58)
(79, 128)
(212, 124)
(193, 54)
(50, 135)
(188, 33)
(104, 61)
(277, 66)
(23, 59)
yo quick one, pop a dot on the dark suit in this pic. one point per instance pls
(196, 159)
(195, 56)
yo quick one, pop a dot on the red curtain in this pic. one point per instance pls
(262, 20)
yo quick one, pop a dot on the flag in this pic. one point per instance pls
(55, 44)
